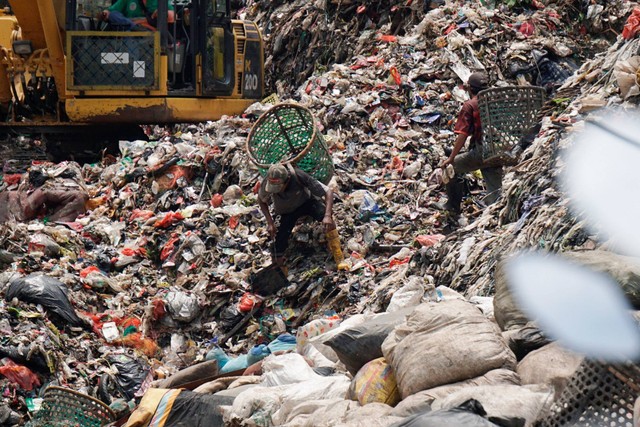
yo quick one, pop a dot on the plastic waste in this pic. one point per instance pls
(256, 354)
(19, 374)
(333, 242)
(284, 342)
(48, 292)
(130, 375)
(219, 355)
(182, 306)
(369, 208)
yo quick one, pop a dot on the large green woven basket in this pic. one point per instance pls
(63, 407)
(507, 114)
(286, 133)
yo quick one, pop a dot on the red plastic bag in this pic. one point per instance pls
(247, 302)
(388, 38)
(395, 262)
(12, 178)
(168, 220)
(91, 269)
(632, 26)
(168, 248)
(216, 200)
(19, 374)
(142, 214)
(527, 28)
(233, 222)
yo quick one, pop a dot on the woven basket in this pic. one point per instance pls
(286, 133)
(507, 114)
(63, 407)
(596, 395)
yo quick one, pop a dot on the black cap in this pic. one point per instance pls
(478, 81)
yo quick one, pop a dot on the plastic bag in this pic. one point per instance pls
(19, 374)
(632, 25)
(369, 208)
(230, 317)
(48, 292)
(315, 328)
(286, 369)
(409, 295)
(373, 383)
(362, 343)
(169, 219)
(182, 306)
(284, 342)
(131, 374)
(469, 414)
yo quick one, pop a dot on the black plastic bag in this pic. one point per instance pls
(230, 317)
(469, 414)
(35, 362)
(48, 292)
(130, 377)
(362, 343)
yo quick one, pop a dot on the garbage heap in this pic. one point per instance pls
(156, 278)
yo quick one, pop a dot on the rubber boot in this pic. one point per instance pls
(333, 242)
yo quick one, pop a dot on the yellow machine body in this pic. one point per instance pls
(59, 66)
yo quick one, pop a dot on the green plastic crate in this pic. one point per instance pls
(286, 133)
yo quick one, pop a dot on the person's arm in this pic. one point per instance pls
(460, 140)
(328, 221)
(319, 190)
(264, 208)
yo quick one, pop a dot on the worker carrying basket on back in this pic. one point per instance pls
(295, 162)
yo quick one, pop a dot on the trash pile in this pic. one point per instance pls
(155, 287)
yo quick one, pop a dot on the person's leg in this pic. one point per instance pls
(493, 181)
(118, 19)
(284, 227)
(463, 163)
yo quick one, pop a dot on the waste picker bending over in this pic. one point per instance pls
(294, 194)
(468, 125)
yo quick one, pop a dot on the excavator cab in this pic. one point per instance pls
(61, 66)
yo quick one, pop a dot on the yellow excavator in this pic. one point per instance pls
(63, 71)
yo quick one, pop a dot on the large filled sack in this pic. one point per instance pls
(468, 414)
(505, 310)
(551, 364)
(360, 344)
(178, 408)
(442, 343)
(510, 402)
(259, 404)
(421, 401)
(623, 269)
(375, 383)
